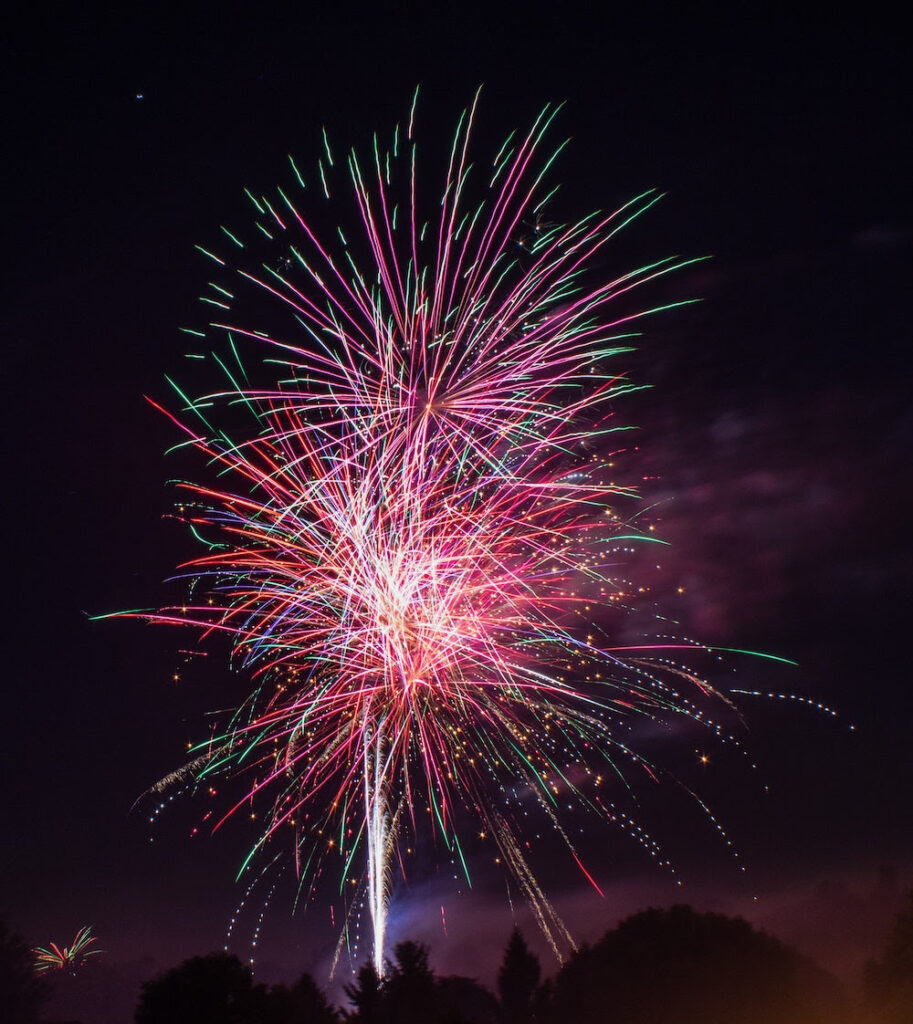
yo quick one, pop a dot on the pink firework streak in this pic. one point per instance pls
(413, 547)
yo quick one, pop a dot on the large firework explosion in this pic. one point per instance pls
(415, 539)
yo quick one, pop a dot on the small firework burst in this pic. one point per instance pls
(66, 958)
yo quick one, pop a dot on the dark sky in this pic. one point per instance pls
(778, 433)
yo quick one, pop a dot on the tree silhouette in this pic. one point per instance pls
(683, 966)
(217, 989)
(303, 1003)
(465, 1001)
(518, 979)
(409, 989)
(412, 994)
(21, 992)
(889, 981)
(366, 996)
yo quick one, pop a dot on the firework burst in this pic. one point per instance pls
(414, 541)
(66, 958)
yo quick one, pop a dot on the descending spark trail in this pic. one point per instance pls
(416, 548)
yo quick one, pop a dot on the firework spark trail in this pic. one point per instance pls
(418, 528)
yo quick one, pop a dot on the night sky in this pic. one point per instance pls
(776, 436)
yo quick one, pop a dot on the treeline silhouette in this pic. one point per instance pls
(658, 966)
